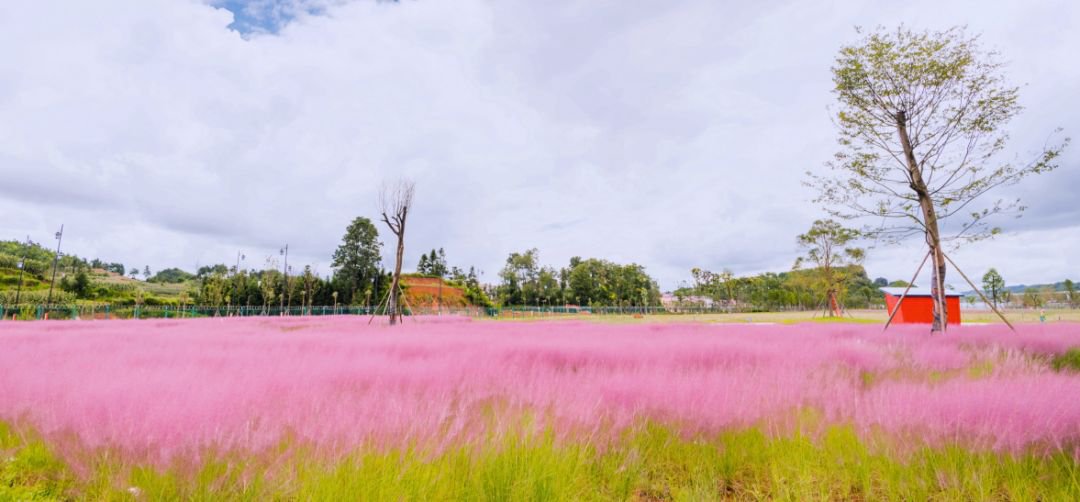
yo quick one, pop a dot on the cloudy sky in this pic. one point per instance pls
(669, 133)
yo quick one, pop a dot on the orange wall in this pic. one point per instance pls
(920, 309)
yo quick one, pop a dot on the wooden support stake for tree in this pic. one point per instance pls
(404, 299)
(387, 302)
(910, 284)
(981, 295)
(379, 306)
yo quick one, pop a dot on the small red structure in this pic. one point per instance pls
(918, 306)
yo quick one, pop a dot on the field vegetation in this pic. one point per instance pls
(445, 408)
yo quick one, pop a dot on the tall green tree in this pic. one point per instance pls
(993, 285)
(520, 276)
(357, 259)
(1070, 293)
(79, 284)
(1033, 298)
(603, 283)
(585, 282)
(827, 246)
(438, 263)
(718, 286)
(921, 119)
(433, 263)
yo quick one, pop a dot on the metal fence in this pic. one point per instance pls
(30, 312)
(109, 312)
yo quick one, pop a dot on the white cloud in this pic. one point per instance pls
(673, 134)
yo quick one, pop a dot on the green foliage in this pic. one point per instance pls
(922, 118)
(36, 260)
(525, 462)
(116, 268)
(29, 470)
(1033, 298)
(9, 281)
(519, 278)
(36, 297)
(1069, 361)
(171, 276)
(31, 252)
(993, 285)
(79, 285)
(585, 282)
(603, 283)
(208, 270)
(356, 262)
(784, 291)
(826, 245)
(433, 264)
(470, 285)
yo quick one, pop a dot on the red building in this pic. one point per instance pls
(918, 306)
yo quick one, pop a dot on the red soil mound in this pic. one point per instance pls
(425, 292)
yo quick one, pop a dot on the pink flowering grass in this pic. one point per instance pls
(158, 389)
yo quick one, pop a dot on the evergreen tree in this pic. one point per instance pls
(993, 286)
(357, 259)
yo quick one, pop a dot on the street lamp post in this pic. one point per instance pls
(285, 271)
(22, 268)
(56, 261)
(240, 256)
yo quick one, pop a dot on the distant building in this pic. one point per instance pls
(670, 301)
(918, 306)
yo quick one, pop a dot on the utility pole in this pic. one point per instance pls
(22, 268)
(56, 261)
(285, 271)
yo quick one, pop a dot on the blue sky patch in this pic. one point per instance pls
(265, 16)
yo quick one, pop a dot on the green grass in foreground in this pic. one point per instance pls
(1069, 361)
(652, 463)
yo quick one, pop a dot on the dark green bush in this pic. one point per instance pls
(1069, 361)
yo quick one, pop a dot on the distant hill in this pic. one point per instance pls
(1021, 288)
(32, 283)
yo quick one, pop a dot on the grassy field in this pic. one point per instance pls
(443, 408)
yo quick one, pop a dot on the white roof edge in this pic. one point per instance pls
(916, 291)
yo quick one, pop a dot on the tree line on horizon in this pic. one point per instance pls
(834, 274)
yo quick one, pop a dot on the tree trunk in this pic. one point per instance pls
(930, 222)
(394, 303)
(834, 304)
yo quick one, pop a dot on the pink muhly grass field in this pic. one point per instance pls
(163, 388)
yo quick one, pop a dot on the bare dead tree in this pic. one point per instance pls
(395, 200)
